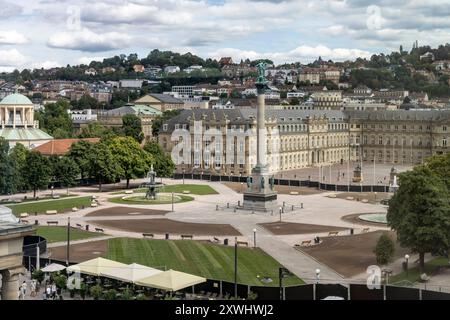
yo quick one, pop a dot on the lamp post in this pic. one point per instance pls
(184, 171)
(282, 273)
(235, 266)
(280, 213)
(406, 265)
(317, 275)
(254, 238)
(68, 242)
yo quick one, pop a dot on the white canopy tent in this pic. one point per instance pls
(170, 280)
(131, 273)
(95, 267)
(53, 267)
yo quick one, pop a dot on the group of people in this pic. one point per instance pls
(50, 292)
(24, 287)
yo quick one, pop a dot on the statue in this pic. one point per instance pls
(262, 182)
(261, 73)
(249, 182)
(271, 182)
(151, 192)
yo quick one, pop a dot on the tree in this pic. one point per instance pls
(66, 171)
(81, 153)
(37, 171)
(133, 161)
(55, 120)
(18, 158)
(420, 213)
(440, 165)
(7, 185)
(132, 127)
(384, 250)
(163, 164)
(103, 165)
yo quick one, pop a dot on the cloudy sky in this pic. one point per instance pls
(48, 33)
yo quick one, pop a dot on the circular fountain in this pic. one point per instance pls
(374, 217)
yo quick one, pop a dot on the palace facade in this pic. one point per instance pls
(304, 138)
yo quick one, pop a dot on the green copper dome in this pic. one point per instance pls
(16, 99)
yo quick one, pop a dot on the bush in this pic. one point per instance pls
(127, 294)
(384, 250)
(38, 275)
(96, 291)
(110, 295)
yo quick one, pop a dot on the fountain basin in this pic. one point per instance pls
(374, 217)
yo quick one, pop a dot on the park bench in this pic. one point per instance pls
(24, 221)
(242, 243)
(99, 230)
(186, 192)
(350, 198)
(129, 192)
(148, 235)
(74, 209)
(94, 205)
(52, 223)
(216, 240)
(365, 230)
(294, 193)
(79, 226)
(51, 212)
(187, 236)
(305, 243)
(333, 233)
(24, 215)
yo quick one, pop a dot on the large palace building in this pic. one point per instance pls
(304, 138)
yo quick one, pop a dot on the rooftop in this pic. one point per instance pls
(61, 146)
(16, 99)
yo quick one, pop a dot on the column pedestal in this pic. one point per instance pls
(10, 284)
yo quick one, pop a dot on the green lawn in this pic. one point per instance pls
(198, 189)
(60, 205)
(208, 260)
(58, 234)
(413, 274)
(119, 200)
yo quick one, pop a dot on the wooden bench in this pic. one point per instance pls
(216, 240)
(187, 236)
(148, 235)
(99, 230)
(129, 192)
(305, 243)
(242, 243)
(24, 215)
(294, 193)
(333, 233)
(52, 222)
(51, 212)
(79, 226)
(24, 221)
(365, 230)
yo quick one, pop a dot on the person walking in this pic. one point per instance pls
(54, 291)
(23, 290)
(48, 291)
(33, 288)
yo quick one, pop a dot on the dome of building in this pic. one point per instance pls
(16, 99)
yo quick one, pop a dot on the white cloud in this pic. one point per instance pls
(12, 37)
(11, 58)
(45, 65)
(88, 60)
(301, 53)
(87, 40)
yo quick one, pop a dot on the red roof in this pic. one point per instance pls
(60, 147)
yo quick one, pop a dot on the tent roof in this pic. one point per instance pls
(131, 273)
(53, 267)
(170, 280)
(95, 267)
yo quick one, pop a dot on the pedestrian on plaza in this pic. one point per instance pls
(33, 288)
(48, 291)
(54, 291)
(23, 289)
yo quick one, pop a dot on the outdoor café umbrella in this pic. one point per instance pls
(170, 280)
(94, 267)
(131, 273)
(53, 267)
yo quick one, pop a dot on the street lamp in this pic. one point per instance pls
(242, 186)
(282, 273)
(235, 266)
(317, 275)
(254, 238)
(280, 213)
(406, 265)
(184, 171)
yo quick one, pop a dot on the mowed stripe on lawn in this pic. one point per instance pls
(208, 260)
